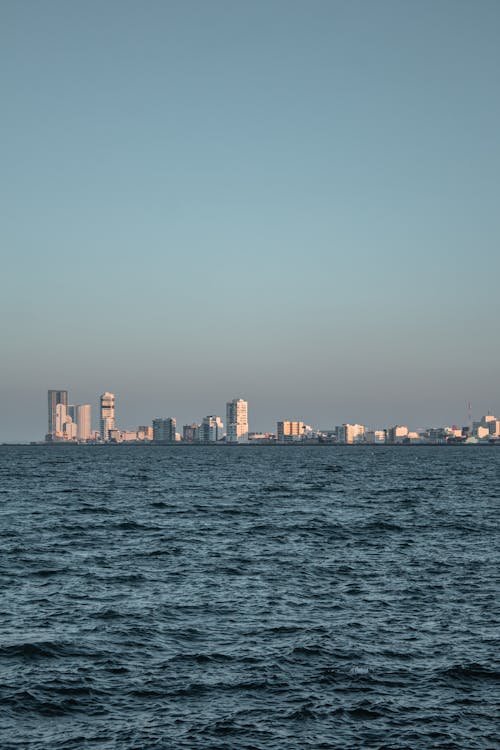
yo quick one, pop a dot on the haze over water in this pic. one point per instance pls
(237, 598)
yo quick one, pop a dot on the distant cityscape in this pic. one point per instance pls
(72, 423)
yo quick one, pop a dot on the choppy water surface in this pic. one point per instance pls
(323, 597)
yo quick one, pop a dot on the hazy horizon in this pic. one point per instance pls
(293, 203)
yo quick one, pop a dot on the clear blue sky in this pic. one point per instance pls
(295, 202)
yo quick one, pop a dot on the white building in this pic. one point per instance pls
(375, 436)
(397, 434)
(489, 423)
(351, 433)
(128, 436)
(61, 417)
(69, 429)
(211, 429)
(290, 431)
(107, 415)
(237, 421)
(82, 418)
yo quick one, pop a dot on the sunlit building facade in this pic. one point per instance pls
(82, 417)
(289, 431)
(237, 421)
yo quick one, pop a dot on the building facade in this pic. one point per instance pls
(289, 431)
(350, 433)
(82, 417)
(107, 415)
(164, 430)
(211, 430)
(237, 421)
(190, 432)
(55, 398)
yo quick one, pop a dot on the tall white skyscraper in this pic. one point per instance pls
(107, 415)
(82, 419)
(237, 421)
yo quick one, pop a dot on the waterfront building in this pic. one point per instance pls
(69, 429)
(61, 417)
(237, 421)
(107, 415)
(128, 436)
(289, 431)
(261, 437)
(144, 432)
(211, 430)
(436, 435)
(350, 433)
(375, 436)
(489, 423)
(82, 418)
(54, 398)
(190, 432)
(397, 434)
(164, 430)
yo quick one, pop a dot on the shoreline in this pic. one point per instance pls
(309, 444)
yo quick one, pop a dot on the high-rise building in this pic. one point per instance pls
(289, 431)
(107, 415)
(83, 422)
(164, 430)
(237, 421)
(55, 398)
(211, 430)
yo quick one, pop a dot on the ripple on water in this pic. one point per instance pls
(249, 599)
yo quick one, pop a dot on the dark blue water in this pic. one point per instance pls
(323, 597)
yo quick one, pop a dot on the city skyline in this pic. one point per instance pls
(293, 202)
(72, 423)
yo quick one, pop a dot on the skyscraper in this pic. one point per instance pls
(237, 421)
(55, 398)
(82, 419)
(107, 415)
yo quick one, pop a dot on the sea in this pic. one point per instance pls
(249, 598)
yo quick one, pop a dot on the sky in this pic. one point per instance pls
(296, 203)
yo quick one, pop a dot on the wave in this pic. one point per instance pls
(39, 649)
(471, 671)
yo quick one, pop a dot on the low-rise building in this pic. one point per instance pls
(375, 436)
(289, 431)
(397, 434)
(145, 432)
(350, 433)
